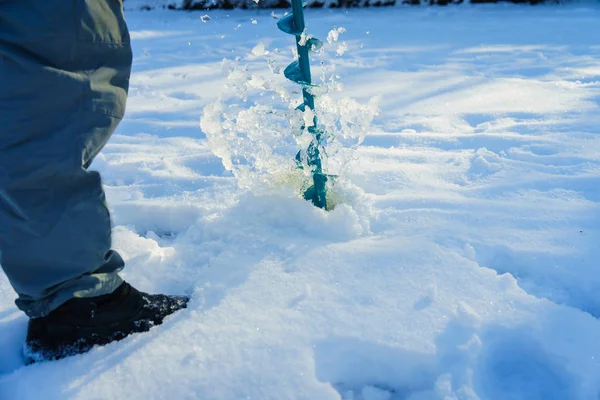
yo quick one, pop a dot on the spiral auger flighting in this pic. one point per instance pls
(299, 72)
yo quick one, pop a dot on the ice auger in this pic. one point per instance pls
(299, 72)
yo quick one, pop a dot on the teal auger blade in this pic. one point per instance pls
(299, 72)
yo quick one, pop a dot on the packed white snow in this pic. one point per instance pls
(461, 261)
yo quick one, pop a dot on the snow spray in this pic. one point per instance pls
(269, 142)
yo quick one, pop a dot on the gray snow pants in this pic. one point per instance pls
(64, 76)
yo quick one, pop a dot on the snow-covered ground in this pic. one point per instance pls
(462, 264)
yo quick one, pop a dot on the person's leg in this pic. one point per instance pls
(64, 74)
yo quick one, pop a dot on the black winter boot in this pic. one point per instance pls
(81, 323)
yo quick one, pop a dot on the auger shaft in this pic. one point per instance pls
(299, 72)
(298, 18)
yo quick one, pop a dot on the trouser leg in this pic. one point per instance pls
(64, 75)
